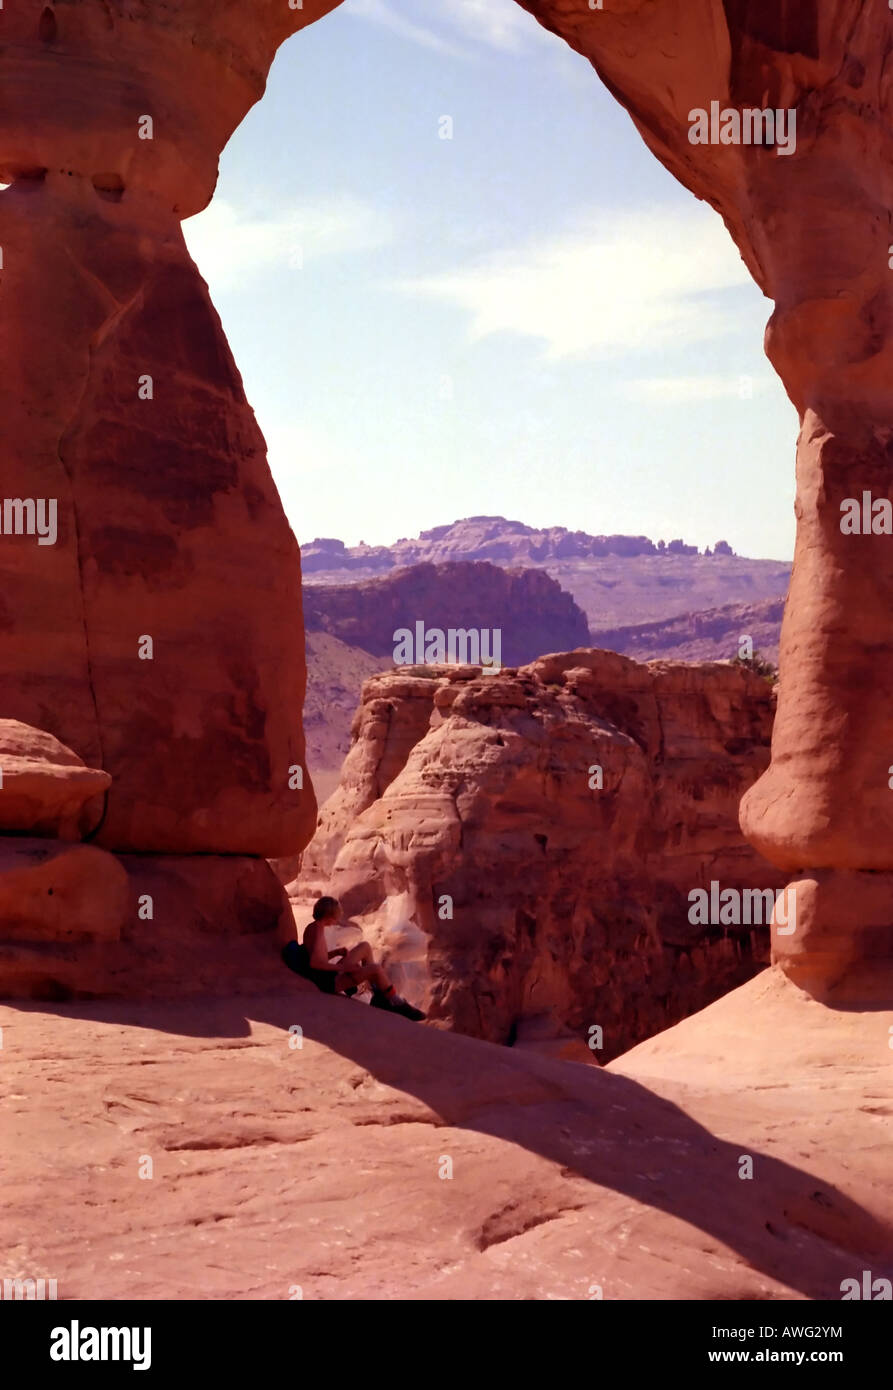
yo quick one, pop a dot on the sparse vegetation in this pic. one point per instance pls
(759, 665)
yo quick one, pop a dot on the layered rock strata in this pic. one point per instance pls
(150, 582)
(153, 670)
(525, 845)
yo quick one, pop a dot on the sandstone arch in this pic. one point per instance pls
(120, 400)
(815, 231)
(137, 99)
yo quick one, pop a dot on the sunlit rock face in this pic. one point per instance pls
(147, 628)
(522, 848)
(811, 217)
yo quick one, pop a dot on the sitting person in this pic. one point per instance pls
(313, 961)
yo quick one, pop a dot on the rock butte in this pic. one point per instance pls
(169, 526)
(531, 611)
(565, 903)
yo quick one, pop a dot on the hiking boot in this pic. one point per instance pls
(406, 1010)
(396, 1005)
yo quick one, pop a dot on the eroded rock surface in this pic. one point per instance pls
(471, 843)
(52, 894)
(159, 632)
(45, 789)
(317, 1166)
(812, 222)
(79, 922)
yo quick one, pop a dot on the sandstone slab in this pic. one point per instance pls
(45, 788)
(58, 902)
(79, 922)
(317, 1167)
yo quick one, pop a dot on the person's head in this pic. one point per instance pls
(326, 910)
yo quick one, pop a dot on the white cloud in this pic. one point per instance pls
(383, 13)
(229, 245)
(619, 283)
(501, 24)
(680, 390)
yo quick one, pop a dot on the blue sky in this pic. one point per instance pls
(531, 318)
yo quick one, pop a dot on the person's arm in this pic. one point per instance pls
(319, 955)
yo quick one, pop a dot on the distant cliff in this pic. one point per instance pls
(711, 635)
(532, 612)
(618, 581)
(481, 538)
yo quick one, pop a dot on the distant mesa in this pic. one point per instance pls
(531, 610)
(492, 538)
(619, 582)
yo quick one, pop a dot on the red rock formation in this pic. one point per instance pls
(813, 225)
(470, 842)
(393, 716)
(44, 787)
(531, 611)
(53, 894)
(79, 922)
(127, 411)
(712, 635)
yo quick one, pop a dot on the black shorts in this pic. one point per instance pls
(296, 957)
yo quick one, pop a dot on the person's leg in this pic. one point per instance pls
(360, 965)
(358, 973)
(358, 955)
(384, 995)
